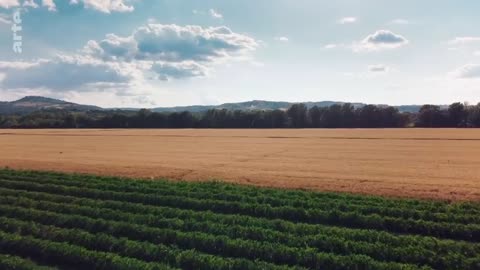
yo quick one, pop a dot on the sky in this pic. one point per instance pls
(148, 53)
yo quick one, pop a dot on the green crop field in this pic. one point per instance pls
(63, 221)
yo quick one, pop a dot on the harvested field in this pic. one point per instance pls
(424, 163)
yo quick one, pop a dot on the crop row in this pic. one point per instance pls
(212, 244)
(145, 251)
(70, 256)
(9, 262)
(282, 227)
(467, 232)
(322, 243)
(215, 192)
(262, 194)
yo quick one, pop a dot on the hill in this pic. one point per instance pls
(268, 105)
(30, 104)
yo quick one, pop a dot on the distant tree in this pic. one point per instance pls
(157, 120)
(369, 116)
(391, 118)
(70, 121)
(473, 118)
(278, 119)
(260, 119)
(348, 115)
(457, 113)
(297, 115)
(431, 116)
(314, 116)
(239, 119)
(140, 120)
(181, 120)
(332, 117)
(85, 121)
(11, 122)
(216, 119)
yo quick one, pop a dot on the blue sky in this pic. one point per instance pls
(171, 52)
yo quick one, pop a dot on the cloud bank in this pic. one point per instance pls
(62, 73)
(173, 43)
(105, 6)
(9, 3)
(151, 52)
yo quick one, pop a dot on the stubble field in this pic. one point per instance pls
(422, 163)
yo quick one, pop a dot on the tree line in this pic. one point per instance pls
(297, 116)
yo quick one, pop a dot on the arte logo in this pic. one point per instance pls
(17, 32)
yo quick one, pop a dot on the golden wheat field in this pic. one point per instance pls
(425, 163)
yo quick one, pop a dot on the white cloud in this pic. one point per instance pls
(400, 21)
(5, 65)
(174, 43)
(167, 71)
(381, 39)
(464, 40)
(469, 71)
(30, 3)
(373, 71)
(9, 3)
(113, 48)
(378, 68)
(5, 19)
(49, 4)
(468, 44)
(330, 46)
(106, 6)
(122, 65)
(215, 14)
(282, 39)
(63, 73)
(144, 100)
(477, 53)
(346, 20)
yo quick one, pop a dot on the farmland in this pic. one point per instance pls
(421, 163)
(70, 221)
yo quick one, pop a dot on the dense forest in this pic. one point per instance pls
(297, 116)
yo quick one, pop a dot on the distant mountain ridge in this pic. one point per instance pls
(275, 105)
(249, 105)
(36, 103)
